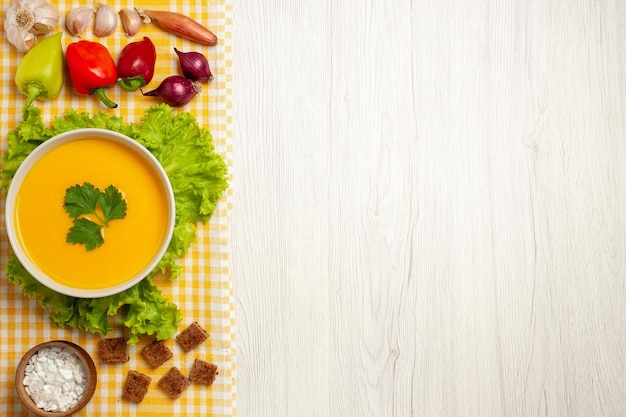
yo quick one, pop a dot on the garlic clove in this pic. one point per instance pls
(78, 19)
(106, 21)
(131, 21)
(46, 17)
(22, 41)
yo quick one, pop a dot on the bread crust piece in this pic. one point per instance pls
(136, 386)
(203, 372)
(156, 353)
(174, 383)
(113, 350)
(192, 336)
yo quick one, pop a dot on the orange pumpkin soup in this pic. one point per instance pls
(129, 244)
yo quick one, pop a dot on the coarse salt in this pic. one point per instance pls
(55, 379)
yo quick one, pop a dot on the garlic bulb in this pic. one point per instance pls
(106, 21)
(25, 19)
(131, 21)
(78, 19)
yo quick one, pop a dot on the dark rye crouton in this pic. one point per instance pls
(192, 336)
(203, 372)
(113, 350)
(156, 353)
(136, 386)
(174, 383)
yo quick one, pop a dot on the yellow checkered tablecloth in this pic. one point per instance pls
(203, 292)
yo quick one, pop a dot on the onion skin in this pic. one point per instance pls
(175, 90)
(194, 66)
(180, 25)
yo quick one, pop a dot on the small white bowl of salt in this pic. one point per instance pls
(55, 379)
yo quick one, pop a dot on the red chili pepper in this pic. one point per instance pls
(92, 69)
(135, 66)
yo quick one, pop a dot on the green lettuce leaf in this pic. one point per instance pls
(198, 177)
(20, 143)
(145, 311)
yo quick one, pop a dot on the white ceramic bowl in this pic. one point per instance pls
(17, 182)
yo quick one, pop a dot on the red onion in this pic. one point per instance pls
(194, 66)
(175, 90)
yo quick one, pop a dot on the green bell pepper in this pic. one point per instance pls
(40, 73)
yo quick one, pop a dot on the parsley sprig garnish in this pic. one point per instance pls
(92, 210)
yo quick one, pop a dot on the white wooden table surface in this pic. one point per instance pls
(429, 210)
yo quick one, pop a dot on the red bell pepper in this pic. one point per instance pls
(135, 65)
(92, 69)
